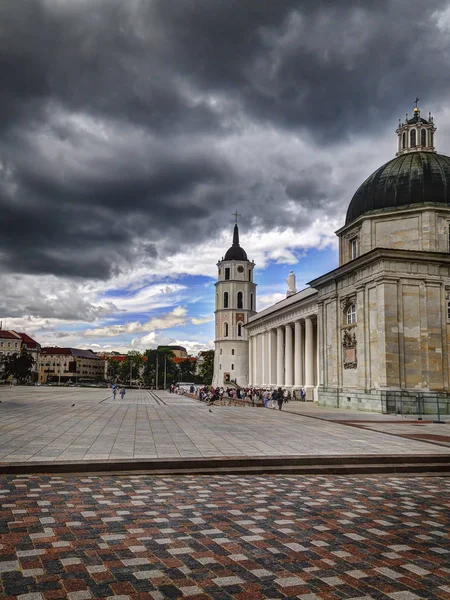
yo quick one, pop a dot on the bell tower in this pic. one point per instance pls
(235, 304)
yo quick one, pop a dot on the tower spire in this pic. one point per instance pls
(416, 134)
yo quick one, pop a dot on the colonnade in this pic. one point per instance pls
(285, 356)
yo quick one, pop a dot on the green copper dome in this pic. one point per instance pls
(408, 179)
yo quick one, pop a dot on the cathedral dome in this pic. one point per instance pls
(413, 178)
(236, 252)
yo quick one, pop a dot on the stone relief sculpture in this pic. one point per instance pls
(349, 344)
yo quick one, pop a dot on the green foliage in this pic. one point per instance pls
(186, 370)
(207, 367)
(163, 357)
(113, 370)
(18, 366)
(129, 369)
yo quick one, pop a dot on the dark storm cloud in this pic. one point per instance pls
(114, 114)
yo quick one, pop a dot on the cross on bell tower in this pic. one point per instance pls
(235, 304)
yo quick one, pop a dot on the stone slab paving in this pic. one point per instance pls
(224, 537)
(410, 426)
(59, 424)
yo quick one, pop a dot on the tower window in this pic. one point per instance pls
(251, 301)
(239, 330)
(403, 140)
(249, 275)
(448, 310)
(354, 248)
(351, 314)
(413, 138)
(225, 330)
(448, 236)
(232, 351)
(225, 299)
(232, 366)
(240, 300)
(221, 351)
(423, 137)
(227, 272)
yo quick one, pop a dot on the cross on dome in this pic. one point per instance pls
(416, 134)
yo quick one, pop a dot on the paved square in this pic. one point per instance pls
(57, 424)
(141, 537)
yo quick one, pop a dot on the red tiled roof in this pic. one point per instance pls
(9, 335)
(56, 351)
(177, 359)
(30, 343)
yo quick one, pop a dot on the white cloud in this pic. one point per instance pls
(202, 320)
(176, 317)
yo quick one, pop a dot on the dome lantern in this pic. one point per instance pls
(415, 134)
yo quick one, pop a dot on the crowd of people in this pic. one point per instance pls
(268, 397)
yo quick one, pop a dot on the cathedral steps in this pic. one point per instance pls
(427, 464)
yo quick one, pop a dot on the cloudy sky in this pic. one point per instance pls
(131, 130)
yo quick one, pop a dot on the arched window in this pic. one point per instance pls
(239, 330)
(423, 137)
(412, 138)
(403, 140)
(351, 314)
(251, 301)
(249, 275)
(225, 330)
(448, 310)
(240, 300)
(225, 299)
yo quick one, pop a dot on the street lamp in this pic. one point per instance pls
(165, 371)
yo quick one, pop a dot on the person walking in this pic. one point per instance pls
(114, 389)
(122, 392)
(274, 397)
(280, 398)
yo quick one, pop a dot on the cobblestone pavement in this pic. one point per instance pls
(57, 424)
(224, 537)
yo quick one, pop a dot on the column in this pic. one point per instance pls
(250, 361)
(257, 381)
(267, 358)
(280, 357)
(309, 353)
(263, 360)
(273, 357)
(298, 355)
(289, 357)
(254, 356)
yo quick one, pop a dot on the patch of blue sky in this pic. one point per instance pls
(311, 264)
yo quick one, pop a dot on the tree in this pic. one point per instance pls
(18, 366)
(130, 367)
(162, 357)
(206, 370)
(186, 369)
(113, 369)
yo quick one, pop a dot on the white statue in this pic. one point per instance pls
(291, 284)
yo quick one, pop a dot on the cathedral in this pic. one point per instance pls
(377, 324)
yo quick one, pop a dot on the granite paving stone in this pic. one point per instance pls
(224, 536)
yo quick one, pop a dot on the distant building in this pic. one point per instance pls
(33, 348)
(70, 364)
(12, 342)
(179, 351)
